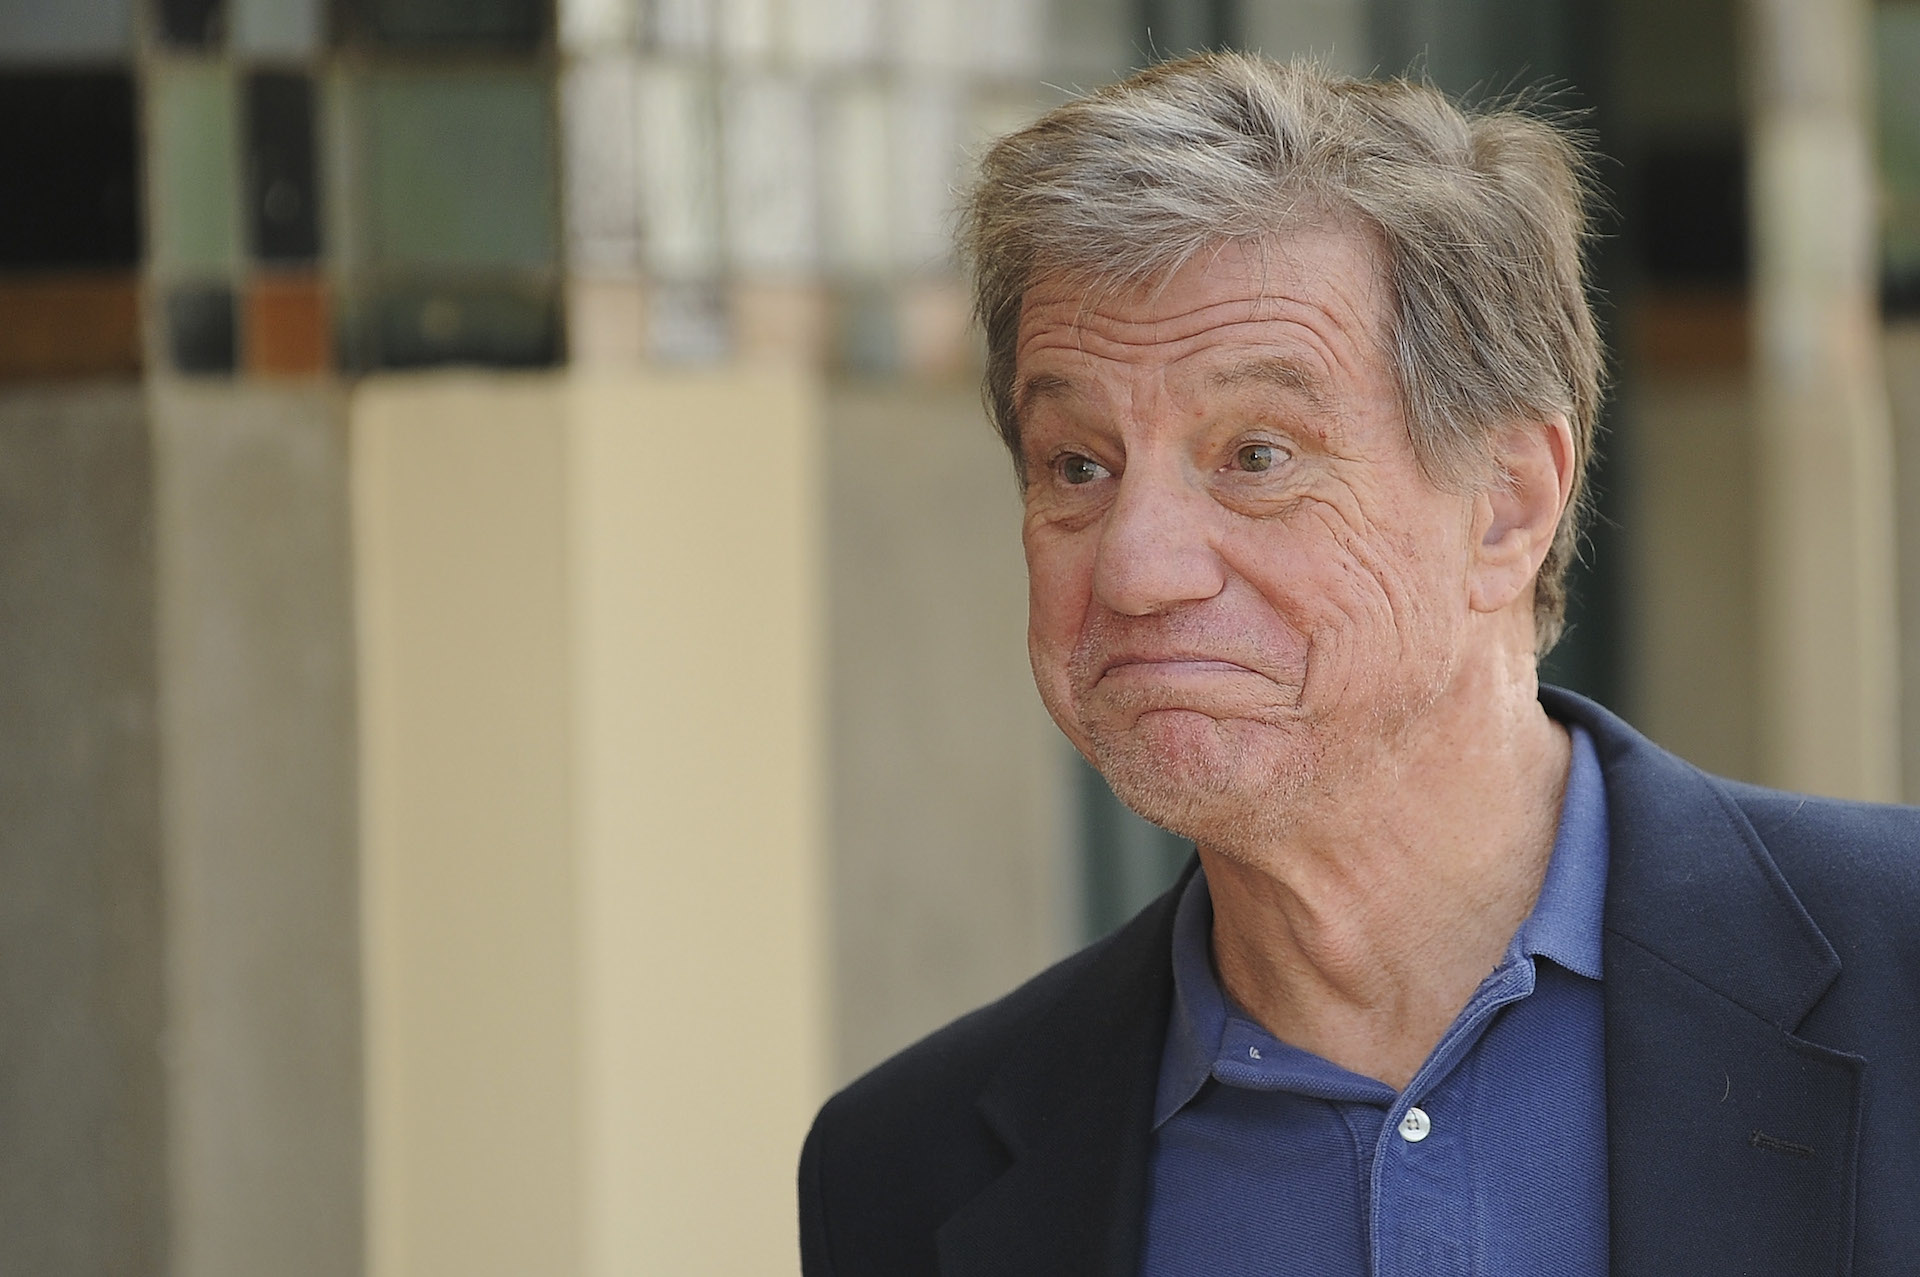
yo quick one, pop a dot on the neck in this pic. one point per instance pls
(1360, 931)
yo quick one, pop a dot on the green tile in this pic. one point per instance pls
(459, 169)
(275, 28)
(40, 31)
(1897, 42)
(192, 156)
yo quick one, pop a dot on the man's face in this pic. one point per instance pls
(1243, 587)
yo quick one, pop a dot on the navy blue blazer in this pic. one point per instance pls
(1762, 991)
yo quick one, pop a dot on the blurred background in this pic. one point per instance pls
(512, 681)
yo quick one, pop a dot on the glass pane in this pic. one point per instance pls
(452, 23)
(1897, 44)
(63, 29)
(278, 28)
(834, 33)
(854, 191)
(681, 26)
(283, 197)
(603, 211)
(747, 28)
(596, 24)
(74, 132)
(926, 171)
(929, 33)
(191, 162)
(679, 185)
(460, 169)
(768, 148)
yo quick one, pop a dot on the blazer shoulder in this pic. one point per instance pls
(895, 1153)
(952, 1065)
(1854, 865)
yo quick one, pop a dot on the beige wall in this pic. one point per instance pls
(594, 898)
(951, 870)
(1687, 506)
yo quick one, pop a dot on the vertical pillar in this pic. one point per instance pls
(473, 1099)
(1903, 374)
(953, 878)
(259, 825)
(592, 691)
(1829, 698)
(83, 1129)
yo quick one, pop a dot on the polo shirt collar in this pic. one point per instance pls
(1564, 927)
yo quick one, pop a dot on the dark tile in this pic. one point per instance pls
(283, 216)
(503, 326)
(73, 131)
(200, 328)
(64, 326)
(194, 23)
(458, 169)
(430, 24)
(288, 329)
(1693, 212)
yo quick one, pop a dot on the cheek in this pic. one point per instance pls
(1059, 585)
(1328, 572)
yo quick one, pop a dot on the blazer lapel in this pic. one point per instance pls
(1731, 1141)
(1075, 1109)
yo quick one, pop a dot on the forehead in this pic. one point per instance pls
(1305, 311)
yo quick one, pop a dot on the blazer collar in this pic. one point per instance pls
(1731, 1141)
(1074, 1106)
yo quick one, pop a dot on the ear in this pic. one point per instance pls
(1517, 512)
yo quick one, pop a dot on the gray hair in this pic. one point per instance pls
(1481, 217)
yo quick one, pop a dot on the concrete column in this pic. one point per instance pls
(83, 1129)
(259, 820)
(595, 899)
(1903, 376)
(953, 876)
(1828, 685)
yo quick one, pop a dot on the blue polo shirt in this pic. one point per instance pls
(1492, 1163)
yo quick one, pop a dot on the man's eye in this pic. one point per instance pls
(1255, 457)
(1078, 470)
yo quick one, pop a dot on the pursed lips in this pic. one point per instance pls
(1171, 666)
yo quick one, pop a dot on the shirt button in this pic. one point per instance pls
(1415, 1126)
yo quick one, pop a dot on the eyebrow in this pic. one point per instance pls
(1044, 385)
(1276, 371)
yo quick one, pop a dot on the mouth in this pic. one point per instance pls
(1170, 667)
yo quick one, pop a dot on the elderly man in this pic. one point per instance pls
(1467, 978)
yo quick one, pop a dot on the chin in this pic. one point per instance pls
(1208, 781)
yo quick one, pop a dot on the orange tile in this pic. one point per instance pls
(289, 331)
(54, 327)
(1676, 332)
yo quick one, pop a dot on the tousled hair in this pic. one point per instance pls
(1480, 217)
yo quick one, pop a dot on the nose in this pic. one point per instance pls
(1157, 547)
